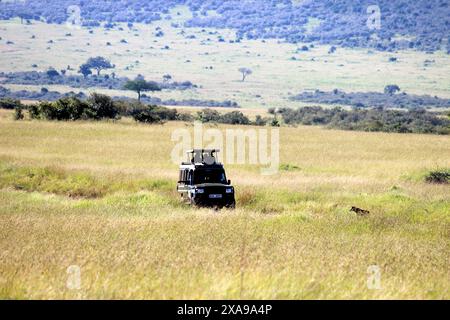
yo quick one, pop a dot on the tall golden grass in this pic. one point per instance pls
(292, 236)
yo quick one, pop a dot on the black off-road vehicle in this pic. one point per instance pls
(203, 181)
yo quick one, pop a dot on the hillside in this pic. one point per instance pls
(205, 70)
(423, 24)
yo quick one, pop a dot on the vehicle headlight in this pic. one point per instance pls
(230, 190)
(200, 190)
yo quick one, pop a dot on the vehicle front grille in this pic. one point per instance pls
(215, 190)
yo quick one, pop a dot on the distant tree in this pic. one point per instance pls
(85, 70)
(99, 64)
(245, 72)
(167, 77)
(139, 85)
(391, 89)
(51, 72)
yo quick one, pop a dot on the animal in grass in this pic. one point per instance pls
(359, 212)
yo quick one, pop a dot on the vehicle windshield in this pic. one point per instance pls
(210, 176)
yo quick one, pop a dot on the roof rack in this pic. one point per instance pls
(203, 156)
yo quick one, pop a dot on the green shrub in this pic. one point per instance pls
(289, 167)
(235, 117)
(62, 109)
(101, 107)
(275, 122)
(260, 121)
(378, 119)
(127, 108)
(10, 104)
(208, 115)
(438, 176)
(18, 113)
(166, 113)
(68, 109)
(36, 110)
(97, 107)
(185, 117)
(147, 114)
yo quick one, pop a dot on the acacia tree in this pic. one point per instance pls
(245, 72)
(391, 89)
(85, 70)
(139, 85)
(99, 64)
(167, 77)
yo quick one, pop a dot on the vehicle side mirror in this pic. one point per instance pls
(229, 182)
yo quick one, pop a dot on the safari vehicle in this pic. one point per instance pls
(203, 181)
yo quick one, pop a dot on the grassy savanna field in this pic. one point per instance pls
(275, 75)
(101, 196)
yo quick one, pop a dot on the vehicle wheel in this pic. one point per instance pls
(192, 202)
